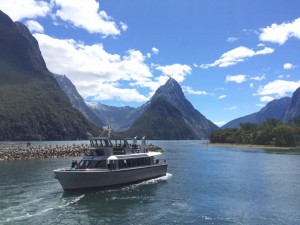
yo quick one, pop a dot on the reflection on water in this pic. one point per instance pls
(204, 185)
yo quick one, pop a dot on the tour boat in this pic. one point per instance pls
(110, 162)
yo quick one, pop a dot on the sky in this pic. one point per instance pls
(231, 57)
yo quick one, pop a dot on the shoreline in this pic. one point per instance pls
(40, 152)
(19, 152)
(267, 147)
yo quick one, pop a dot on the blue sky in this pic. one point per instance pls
(231, 57)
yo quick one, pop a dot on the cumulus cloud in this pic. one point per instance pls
(220, 123)
(34, 26)
(288, 66)
(237, 55)
(100, 75)
(266, 98)
(177, 71)
(86, 15)
(236, 78)
(189, 90)
(93, 70)
(278, 88)
(82, 14)
(280, 33)
(18, 10)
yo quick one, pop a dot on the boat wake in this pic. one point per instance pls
(147, 182)
(24, 209)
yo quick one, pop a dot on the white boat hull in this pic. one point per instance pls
(83, 179)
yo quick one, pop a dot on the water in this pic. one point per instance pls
(204, 185)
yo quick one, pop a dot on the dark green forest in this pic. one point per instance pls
(271, 132)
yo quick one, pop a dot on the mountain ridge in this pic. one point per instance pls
(32, 105)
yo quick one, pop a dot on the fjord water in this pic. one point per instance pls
(204, 185)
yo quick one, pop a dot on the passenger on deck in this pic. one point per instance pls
(77, 166)
(73, 164)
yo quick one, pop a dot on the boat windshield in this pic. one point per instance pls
(100, 143)
(93, 152)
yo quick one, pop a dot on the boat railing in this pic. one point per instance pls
(82, 170)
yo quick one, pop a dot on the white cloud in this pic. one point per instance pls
(100, 75)
(93, 70)
(18, 10)
(219, 89)
(280, 33)
(261, 45)
(260, 105)
(86, 15)
(258, 78)
(236, 78)
(155, 50)
(231, 108)
(34, 26)
(278, 88)
(177, 71)
(288, 66)
(189, 90)
(220, 123)
(222, 96)
(266, 98)
(82, 14)
(124, 26)
(232, 39)
(236, 55)
(251, 85)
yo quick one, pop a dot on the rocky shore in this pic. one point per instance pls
(19, 152)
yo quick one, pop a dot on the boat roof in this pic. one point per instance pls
(137, 155)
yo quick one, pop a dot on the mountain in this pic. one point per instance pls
(119, 118)
(161, 121)
(32, 105)
(273, 110)
(76, 100)
(169, 115)
(293, 110)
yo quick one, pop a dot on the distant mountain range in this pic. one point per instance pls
(283, 109)
(32, 105)
(119, 118)
(168, 115)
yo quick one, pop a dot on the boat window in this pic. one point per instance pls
(134, 162)
(84, 164)
(100, 152)
(107, 144)
(122, 164)
(88, 152)
(119, 151)
(92, 143)
(101, 164)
